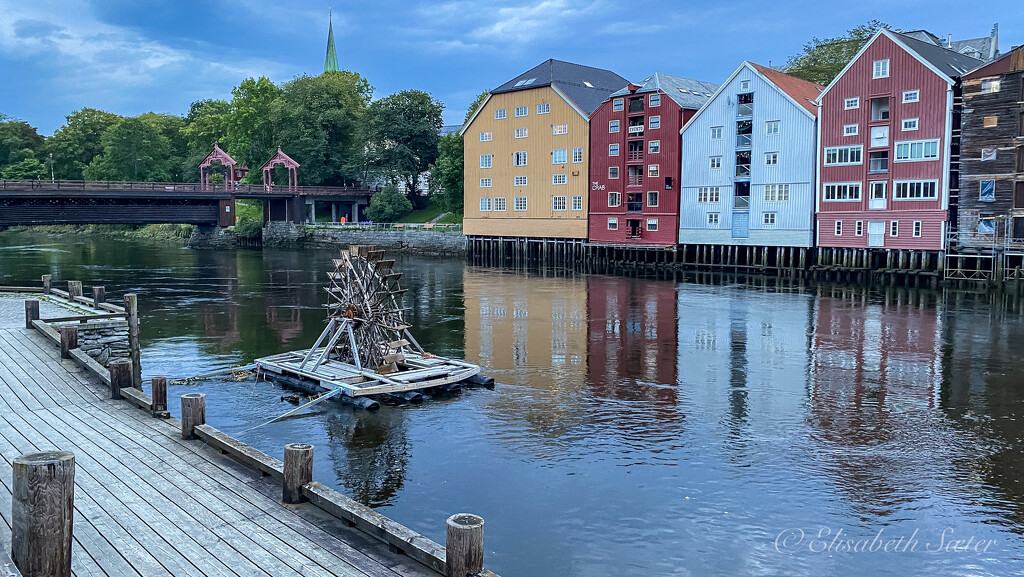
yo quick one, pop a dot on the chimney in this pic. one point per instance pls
(949, 40)
(993, 50)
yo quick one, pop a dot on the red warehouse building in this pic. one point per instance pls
(635, 160)
(889, 146)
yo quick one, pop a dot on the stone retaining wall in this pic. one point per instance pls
(411, 241)
(104, 341)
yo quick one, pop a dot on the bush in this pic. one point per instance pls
(388, 205)
(249, 228)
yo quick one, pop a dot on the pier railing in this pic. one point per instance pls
(392, 226)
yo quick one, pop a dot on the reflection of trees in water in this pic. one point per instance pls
(370, 452)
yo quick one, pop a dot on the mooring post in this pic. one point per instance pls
(193, 414)
(42, 513)
(159, 396)
(298, 470)
(68, 340)
(31, 312)
(464, 545)
(74, 289)
(99, 295)
(120, 377)
(46, 283)
(131, 307)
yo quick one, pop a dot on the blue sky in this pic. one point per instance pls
(131, 57)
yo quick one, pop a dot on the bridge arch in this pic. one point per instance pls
(291, 165)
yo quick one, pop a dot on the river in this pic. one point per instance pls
(641, 427)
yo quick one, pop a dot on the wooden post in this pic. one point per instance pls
(68, 340)
(46, 283)
(131, 306)
(464, 545)
(193, 413)
(99, 295)
(159, 396)
(298, 470)
(74, 289)
(120, 377)
(31, 312)
(42, 513)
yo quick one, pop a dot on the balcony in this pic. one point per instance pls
(743, 141)
(742, 171)
(741, 203)
(636, 180)
(635, 155)
(635, 202)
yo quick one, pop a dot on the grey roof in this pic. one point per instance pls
(586, 86)
(950, 63)
(686, 92)
(985, 47)
(450, 129)
(978, 47)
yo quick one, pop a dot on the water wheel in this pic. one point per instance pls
(364, 290)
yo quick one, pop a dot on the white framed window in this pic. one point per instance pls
(851, 129)
(613, 126)
(839, 228)
(708, 194)
(744, 85)
(499, 204)
(577, 202)
(613, 149)
(909, 124)
(768, 219)
(519, 204)
(842, 192)
(716, 133)
(655, 99)
(771, 158)
(559, 156)
(485, 204)
(844, 155)
(577, 155)
(712, 219)
(880, 69)
(917, 229)
(520, 181)
(858, 228)
(522, 111)
(771, 127)
(776, 192)
(652, 198)
(486, 160)
(654, 122)
(485, 183)
(519, 158)
(653, 170)
(851, 103)
(654, 147)
(558, 203)
(652, 224)
(486, 136)
(613, 172)
(499, 114)
(522, 133)
(559, 179)
(917, 150)
(716, 162)
(617, 105)
(894, 228)
(613, 223)
(544, 108)
(911, 96)
(915, 190)
(989, 85)
(557, 129)
(614, 199)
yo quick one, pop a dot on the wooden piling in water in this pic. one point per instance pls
(193, 414)
(31, 312)
(120, 377)
(298, 470)
(131, 307)
(99, 295)
(464, 545)
(42, 513)
(68, 340)
(159, 396)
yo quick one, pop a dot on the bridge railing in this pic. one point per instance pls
(393, 226)
(105, 185)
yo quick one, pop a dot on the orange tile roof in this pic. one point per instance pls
(798, 89)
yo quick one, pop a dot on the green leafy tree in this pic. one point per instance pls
(132, 150)
(171, 127)
(26, 169)
(404, 130)
(822, 59)
(79, 141)
(446, 174)
(476, 104)
(18, 141)
(252, 135)
(205, 125)
(388, 205)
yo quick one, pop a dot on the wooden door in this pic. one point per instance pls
(876, 233)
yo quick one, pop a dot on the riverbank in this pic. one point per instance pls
(413, 241)
(161, 232)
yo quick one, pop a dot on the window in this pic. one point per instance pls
(485, 204)
(894, 228)
(708, 194)
(851, 103)
(716, 133)
(878, 162)
(915, 190)
(917, 228)
(652, 224)
(990, 121)
(654, 146)
(858, 228)
(544, 108)
(559, 179)
(716, 162)
(634, 201)
(912, 150)
(499, 204)
(842, 192)
(839, 228)
(911, 96)
(850, 129)
(485, 183)
(577, 155)
(613, 126)
(558, 203)
(499, 114)
(989, 85)
(744, 85)
(613, 150)
(613, 223)
(652, 198)
(655, 122)
(771, 158)
(559, 156)
(519, 204)
(880, 108)
(557, 129)
(617, 105)
(655, 100)
(519, 158)
(776, 192)
(712, 219)
(613, 172)
(771, 127)
(522, 111)
(652, 170)
(519, 181)
(486, 136)
(485, 160)
(614, 199)
(521, 133)
(769, 219)
(577, 202)
(880, 69)
(987, 191)
(909, 124)
(744, 105)
(840, 155)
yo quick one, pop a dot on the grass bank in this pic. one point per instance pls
(159, 232)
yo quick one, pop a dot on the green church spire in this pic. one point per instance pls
(331, 62)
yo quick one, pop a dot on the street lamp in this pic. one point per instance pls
(52, 179)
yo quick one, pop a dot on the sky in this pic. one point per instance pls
(130, 57)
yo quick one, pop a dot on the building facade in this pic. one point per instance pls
(635, 160)
(526, 153)
(889, 146)
(748, 163)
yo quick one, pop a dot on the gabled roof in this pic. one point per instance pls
(952, 64)
(1000, 65)
(803, 92)
(688, 93)
(985, 47)
(586, 86)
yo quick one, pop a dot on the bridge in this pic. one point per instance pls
(42, 202)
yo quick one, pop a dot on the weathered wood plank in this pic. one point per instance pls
(273, 468)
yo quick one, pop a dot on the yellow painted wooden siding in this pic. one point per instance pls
(539, 220)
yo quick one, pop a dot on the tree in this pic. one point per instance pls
(78, 142)
(251, 134)
(476, 104)
(171, 127)
(446, 175)
(388, 205)
(132, 150)
(18, 140)
(27, 169)
(403, 129)
(205, 125)
(822, 59)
